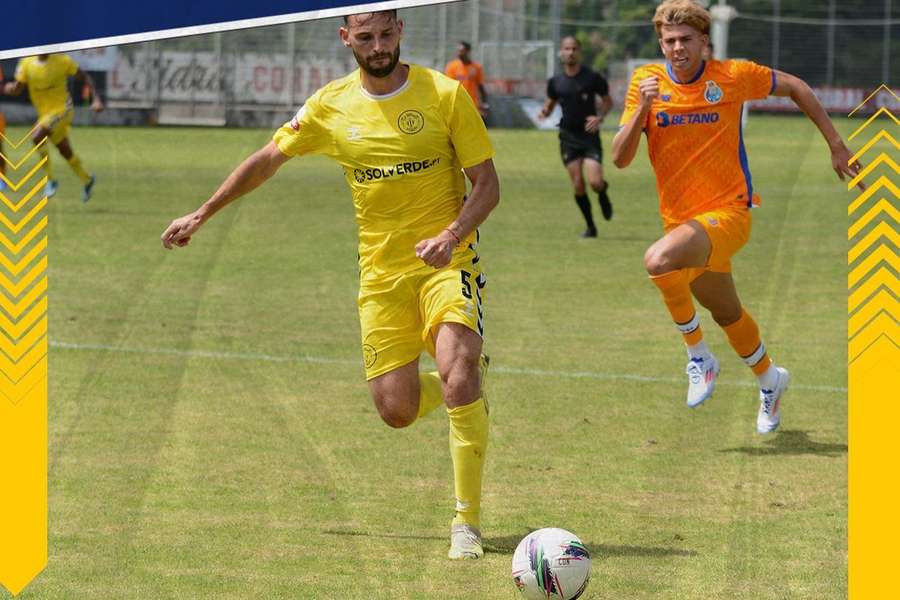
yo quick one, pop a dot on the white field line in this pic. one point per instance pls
(304, 358)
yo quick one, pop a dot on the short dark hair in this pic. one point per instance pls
(390, 13)
(573, 38)
(466, 45)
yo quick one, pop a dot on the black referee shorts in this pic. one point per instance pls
(579, 144)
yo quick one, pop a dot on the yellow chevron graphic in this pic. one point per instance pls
(882, 253)
(882, 277)
(881, 183)
(17, 227)
(14, 309)
(15, 268)
(880, 111)
(14, 371)
(15, 392)
(27, 136)
(15, 289)
(17, 247)
(884, 325)
(881, 135)
(15, 166)
(15, 329)
(15, 186)
(39, 186)
(872, 95)
(883, 301)
(882, 229)
(882, 206)
(879, 160)
(17, 350)
(23, 364)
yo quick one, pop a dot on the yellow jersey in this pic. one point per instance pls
(694, 135)
(47, 82)
(402, 155)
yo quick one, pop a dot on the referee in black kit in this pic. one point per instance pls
(576, 90)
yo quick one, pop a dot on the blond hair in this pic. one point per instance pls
(681, 12)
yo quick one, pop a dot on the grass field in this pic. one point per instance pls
(211, 435)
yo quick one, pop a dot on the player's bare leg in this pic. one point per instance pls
(576, 176)
(458, 356)
(594, 172)
(717, 293)
(396, 395)
(687, 246)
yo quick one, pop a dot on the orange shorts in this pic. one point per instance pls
(728, 229)
(2, 123)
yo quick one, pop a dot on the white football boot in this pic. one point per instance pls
(702, 373)
(769, 415)
(465, 543)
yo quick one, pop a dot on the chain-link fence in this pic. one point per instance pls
(258, 76)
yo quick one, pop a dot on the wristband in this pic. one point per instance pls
(456, 237)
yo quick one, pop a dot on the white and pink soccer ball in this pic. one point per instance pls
(551, 564)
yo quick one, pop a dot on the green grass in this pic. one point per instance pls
(211, 434)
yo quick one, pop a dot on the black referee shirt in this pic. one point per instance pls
(575, 96)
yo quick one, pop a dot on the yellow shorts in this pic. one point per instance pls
(57, 124)
(399, 317)
(728, 229)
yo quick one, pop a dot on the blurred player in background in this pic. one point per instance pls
(470, 74)
(690, 110)
(47, 77)
(577, 90)
(404, 136)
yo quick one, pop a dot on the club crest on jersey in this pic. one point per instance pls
(295, 122)
(713, 92)
(411, 121)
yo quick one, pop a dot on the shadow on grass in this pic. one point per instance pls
(507, 545)
(791, 442)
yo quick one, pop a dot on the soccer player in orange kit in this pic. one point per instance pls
(690, 110)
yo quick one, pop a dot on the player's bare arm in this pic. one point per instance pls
(96, 102)
(483, 198)
(13, 88)
(549, 105)
(592, 123)
(627, 141)
(249, 175)
(798, 90)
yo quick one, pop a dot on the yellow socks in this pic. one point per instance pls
(468, 446)
(75, 163)
(430, 394)
(676, 291)
(744, 337)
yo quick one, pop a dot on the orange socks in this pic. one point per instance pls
(744, 337)
(676, 291)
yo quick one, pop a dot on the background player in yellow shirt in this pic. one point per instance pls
(404, 135)
(690, 110)
(47, 77)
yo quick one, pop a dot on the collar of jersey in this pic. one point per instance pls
(389, 95)
(692, 80)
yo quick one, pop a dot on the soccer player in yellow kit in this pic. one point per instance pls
(46, 76)
(405, 136)
(690, 111)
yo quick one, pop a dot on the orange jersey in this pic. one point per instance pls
(469, 75)
(694, 135)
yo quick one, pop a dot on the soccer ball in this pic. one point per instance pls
(551, 564)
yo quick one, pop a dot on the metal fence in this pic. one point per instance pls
(257, 76)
